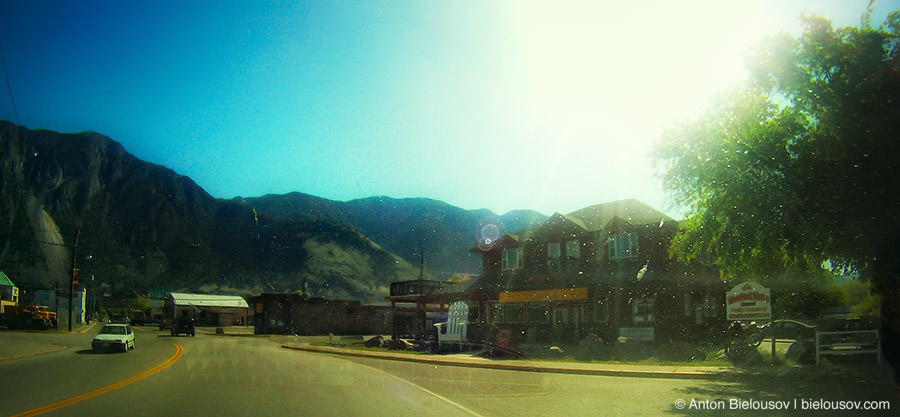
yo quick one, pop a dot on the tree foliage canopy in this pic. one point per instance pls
(802, 164)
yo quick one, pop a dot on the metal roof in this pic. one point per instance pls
(5, 281)
(208, 300)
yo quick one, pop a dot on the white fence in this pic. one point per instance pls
(854, 342)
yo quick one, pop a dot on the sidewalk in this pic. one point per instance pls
(578, 368)
(15, 344)
(21, 344)
(246, 331)
(596, 368)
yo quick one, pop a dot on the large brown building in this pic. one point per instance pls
(604, 269)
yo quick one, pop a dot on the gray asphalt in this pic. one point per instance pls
(254, 376)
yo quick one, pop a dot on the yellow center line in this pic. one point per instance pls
(179, 350)
(25, 355)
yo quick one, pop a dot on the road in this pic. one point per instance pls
(253, 376)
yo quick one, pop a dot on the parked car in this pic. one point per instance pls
(183, 325)
(803, 350)
(119, 337)
(790, 329)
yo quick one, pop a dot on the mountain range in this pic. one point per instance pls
(140, 226)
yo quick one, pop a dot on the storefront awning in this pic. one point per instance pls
(561, 294)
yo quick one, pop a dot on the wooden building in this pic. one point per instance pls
(297, 314)
(604, 269)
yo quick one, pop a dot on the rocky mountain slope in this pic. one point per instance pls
(406, 227)
(142, 225)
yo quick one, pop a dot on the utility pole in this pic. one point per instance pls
(421, 265)
(74, 276)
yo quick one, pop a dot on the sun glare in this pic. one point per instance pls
(605, 79)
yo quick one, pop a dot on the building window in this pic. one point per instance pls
(474, 313)
(582, 312)
(538, 313)
(496, 313)
(573, 256)
(560, 315)
(553, 254)
(573, 249)
(515, 313)
(712, 306)
(601, 310)
(642, 310)
(624, 245)
(513, 259)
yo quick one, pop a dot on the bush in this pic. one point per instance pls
(592, 348)
(680, 352)
(745, 356)
(629, 350)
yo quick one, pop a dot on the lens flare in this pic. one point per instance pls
(489, 230)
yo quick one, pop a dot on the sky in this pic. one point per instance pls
(551, 106)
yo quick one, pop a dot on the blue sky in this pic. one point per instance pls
(550, 106)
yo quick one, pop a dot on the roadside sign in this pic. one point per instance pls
(748, 301)
(641, 334)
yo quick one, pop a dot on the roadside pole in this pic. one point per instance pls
(772, 333)
(74, 275)
(772, 327)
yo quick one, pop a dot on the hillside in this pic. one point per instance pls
(143, 225)
(405, 226)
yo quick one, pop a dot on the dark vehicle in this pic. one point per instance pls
(118, 320)
(183, 325)
(789, 329)
(165, 324)
(138, 317)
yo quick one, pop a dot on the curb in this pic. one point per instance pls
(510, 367)
(89, 327)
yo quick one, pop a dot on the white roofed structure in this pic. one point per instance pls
(208, 309)
(208, 300)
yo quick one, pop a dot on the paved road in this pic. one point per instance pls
(251, 376)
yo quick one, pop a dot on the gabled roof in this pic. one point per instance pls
(5, 281)
(519, 238)
(632, 211)
(209, 300)
(522, 235)
(592, 219)
(561, 218)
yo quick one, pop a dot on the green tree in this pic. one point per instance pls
(800, 165)
(140, 303)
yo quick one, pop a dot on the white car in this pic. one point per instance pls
(114, 336)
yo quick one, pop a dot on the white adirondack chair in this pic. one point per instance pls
(454, 329)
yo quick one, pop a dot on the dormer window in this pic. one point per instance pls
(623, 245)
(553, 255)
(513, 259)
(573, 249)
